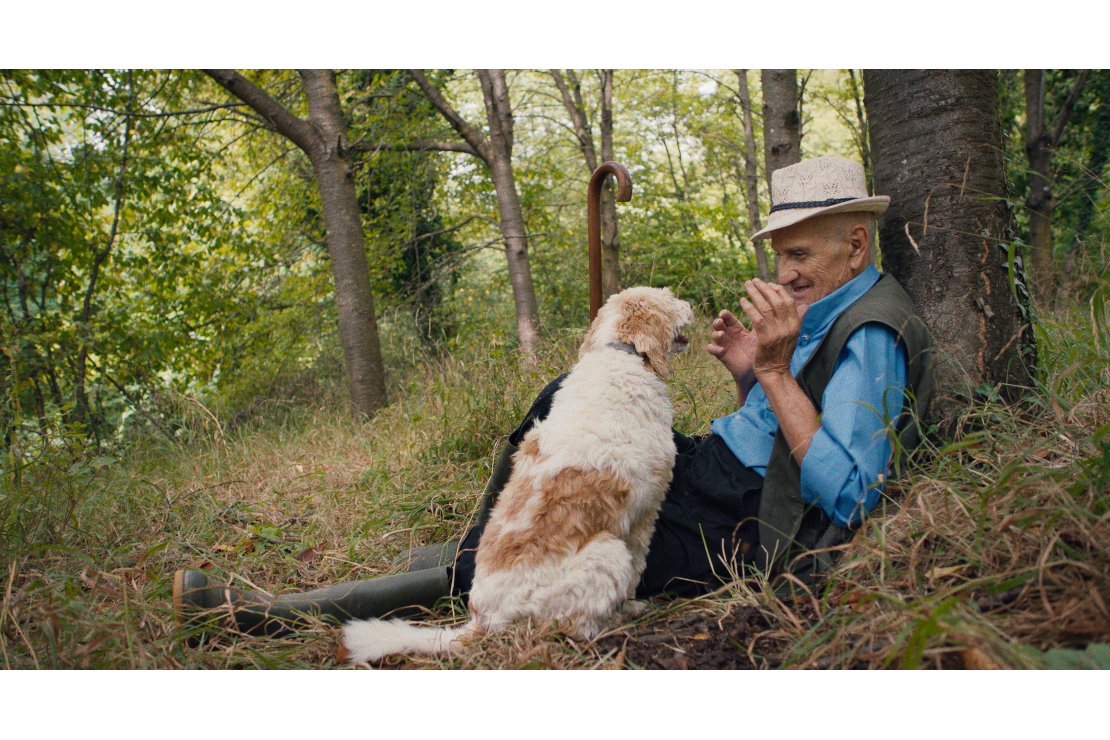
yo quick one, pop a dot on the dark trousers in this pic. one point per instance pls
(706, 527)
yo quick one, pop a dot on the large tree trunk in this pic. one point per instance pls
(782, 123)
(937, 152)
(358, 326)
(323, 138)
(751, 174)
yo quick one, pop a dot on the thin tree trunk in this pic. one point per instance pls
(1039, 201)
(610, 235)
(496, 153)
(937, 149)
(864, 151)
(782, 124)
(751, 174)
(323, 138)
(499, 113)
(81, 408)
(1039, 144)
(861, 119)
(1093, 184)
(583, 131)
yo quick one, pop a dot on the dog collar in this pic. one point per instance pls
(626, 347)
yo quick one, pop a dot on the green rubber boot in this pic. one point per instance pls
(440, 554)
(196, 600)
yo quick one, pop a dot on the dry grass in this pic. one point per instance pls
(993, 549)
(1000, 545)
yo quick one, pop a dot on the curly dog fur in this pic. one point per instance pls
(567, 540)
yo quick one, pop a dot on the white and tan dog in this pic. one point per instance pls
(567, 539)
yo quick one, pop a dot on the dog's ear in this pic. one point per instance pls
(649, 328)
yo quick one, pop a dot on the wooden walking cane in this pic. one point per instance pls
(593, 218)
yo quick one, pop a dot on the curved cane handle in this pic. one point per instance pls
(593, 218)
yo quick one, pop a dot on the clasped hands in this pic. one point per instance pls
(767, 348)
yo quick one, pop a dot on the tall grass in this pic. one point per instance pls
(992, 551)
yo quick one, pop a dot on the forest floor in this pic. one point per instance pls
(993, 551)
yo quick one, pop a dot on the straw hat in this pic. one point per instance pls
(817, 187)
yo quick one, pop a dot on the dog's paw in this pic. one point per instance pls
(633, 609)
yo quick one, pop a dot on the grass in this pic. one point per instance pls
(993, 551)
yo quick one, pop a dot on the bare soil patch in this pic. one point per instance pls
(738, 638)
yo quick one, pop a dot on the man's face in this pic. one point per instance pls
(819, 255)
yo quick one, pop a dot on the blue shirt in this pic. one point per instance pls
(848, 459)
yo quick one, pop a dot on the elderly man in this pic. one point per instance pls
(837, 361)
(832, 370)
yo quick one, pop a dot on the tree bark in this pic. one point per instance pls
(1039, 144)
(496, 152)
(782, 123)
(323, 138)
(583, 131)
(751, 174)
(937, 152)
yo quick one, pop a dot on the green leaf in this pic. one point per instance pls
(1095, 658)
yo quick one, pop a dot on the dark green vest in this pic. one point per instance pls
(789, 527)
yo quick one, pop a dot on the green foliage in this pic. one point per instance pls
(1074, 344)
(123, 268)
(1094, 658)
(416, 256)
(684, 149)
(1079, 161)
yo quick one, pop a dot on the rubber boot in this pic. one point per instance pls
(443, 553)
(502, 470)
(195, 600)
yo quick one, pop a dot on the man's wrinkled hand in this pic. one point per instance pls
(776, 322)
(734, 346)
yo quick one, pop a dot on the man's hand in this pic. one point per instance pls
(776, 322)
(735, 347)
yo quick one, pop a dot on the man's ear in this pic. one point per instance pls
(859, 245)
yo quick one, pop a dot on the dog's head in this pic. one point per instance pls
(649, 319)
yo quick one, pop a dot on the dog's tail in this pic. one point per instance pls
(373, 639)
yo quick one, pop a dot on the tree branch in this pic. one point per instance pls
(135, 403)
(420, 145)
(113, 111)
(457, 226)
(1069, 104)
(470, 135)
(98, 259)
(577, 118)
(296, 130)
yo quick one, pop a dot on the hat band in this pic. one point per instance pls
(810, 204)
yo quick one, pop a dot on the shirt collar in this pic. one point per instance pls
(822, 313)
